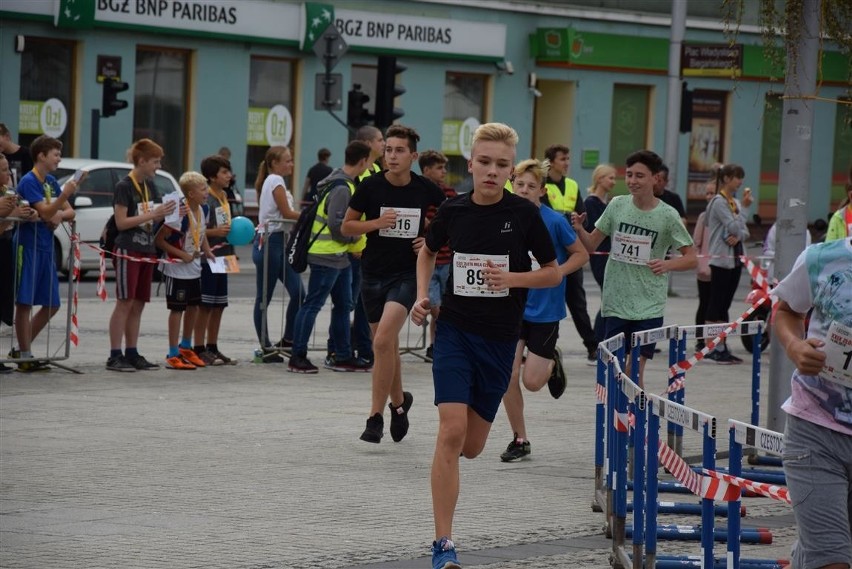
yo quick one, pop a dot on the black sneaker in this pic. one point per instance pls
(721, 358)
(225, 359)
(556, 383)
(365, 363)
(733, 358)
(349, 365)
(592, 357)
(271, 358)
(139, 362)
(301, 364)
(375, 429)
(284, 346)
(399, 417)
(516, 450)
(119, 363)
(367, 359)
(6, 369)
(329, 361)
(429, 354)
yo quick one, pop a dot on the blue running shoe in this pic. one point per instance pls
(444, 554)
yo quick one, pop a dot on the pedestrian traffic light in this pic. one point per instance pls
(357, 114)
(111, 104)
(387, 90)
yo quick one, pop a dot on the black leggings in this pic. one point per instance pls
(723, 286)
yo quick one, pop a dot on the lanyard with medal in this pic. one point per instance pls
(195, 231)
(45, 186)
(223, 212)
(143, 195)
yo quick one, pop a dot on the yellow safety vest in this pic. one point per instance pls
(508, 186)
(563, 203)
(324, 243)
(361, 243)
(374, 169)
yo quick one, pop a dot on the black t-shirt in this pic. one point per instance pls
(673, 200)
(316, 174)
(385, 255)
(594, 210)
(512, 227)
(215, 215)
(141, 237)
(20, 163)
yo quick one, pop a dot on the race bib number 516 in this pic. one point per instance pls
(407, 223)
(468, 278)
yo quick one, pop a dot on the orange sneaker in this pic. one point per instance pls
(177, 362)
(191, 357)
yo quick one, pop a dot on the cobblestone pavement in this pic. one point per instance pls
(252, 467)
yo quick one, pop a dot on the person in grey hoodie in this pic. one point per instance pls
(726, 226)
(331, 273)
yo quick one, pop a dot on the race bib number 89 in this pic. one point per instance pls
(407, 223)
(468, 277)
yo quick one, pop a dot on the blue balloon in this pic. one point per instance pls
(242, 231)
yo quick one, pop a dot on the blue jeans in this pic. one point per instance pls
(278, 270)
(325, 281)
(362, 337)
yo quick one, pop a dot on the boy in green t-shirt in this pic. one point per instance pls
(642, 229)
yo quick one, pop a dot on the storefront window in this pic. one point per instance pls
(706, 141)
(629, 131)
(47, 87)
(270, 104)
(464, 110)
(160, 103)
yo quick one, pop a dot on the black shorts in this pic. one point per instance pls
(540, 337)
(214, 288)
(181, 293)
(376, 292)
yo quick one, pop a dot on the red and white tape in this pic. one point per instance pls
(758, 277)
(74, 334)
(773, 491)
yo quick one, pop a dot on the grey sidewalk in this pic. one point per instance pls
(253, 467)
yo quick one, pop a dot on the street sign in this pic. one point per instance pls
(332, 97)
(109, 67)
(330, 46)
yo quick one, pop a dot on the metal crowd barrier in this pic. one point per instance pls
(46, 352)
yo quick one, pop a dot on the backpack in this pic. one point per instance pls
(299, 241)
(108, 235)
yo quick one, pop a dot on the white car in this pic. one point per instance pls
(93, 205)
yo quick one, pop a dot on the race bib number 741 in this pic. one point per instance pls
(630, 248)
(468, 277)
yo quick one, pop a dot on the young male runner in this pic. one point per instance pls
(543, 311)
(394, 204)
(492, 234)
(642, 229)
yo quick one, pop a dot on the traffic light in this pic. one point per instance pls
(356, 113)
(387, 90)
(111, 104)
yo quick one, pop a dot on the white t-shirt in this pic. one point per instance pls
(822, 278)
(187, 242)
(268, 209)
